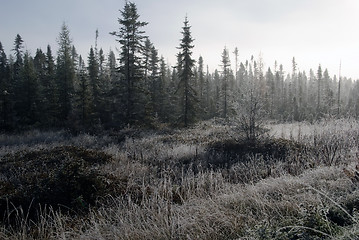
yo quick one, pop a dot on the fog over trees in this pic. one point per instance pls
(135, 86)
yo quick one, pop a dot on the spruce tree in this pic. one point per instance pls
(111, 94)
(83, 100)
(216, 95)
(208, 96)
(271, 93)
(188, 95)
(131, 37)
(104, 87)
(328, 93)
(165, 103)
(40, 70)
(93, 74)
(50, 90)
(17, 77)
(28, 103)
(65, 73)
(319, 89)
(147, 52)
(201, 88)
(18, 46)
(236, 53)
(156, 87)
(225, 81)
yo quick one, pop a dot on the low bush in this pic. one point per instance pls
(63, 178)
(226, 153)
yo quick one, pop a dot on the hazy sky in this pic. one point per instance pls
(313, 31)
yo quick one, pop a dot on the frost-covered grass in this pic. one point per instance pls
(332, 141)
(347, 129)
(172, 192)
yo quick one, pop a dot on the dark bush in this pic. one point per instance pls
(63, 178)
(341, 218)
(227, 153)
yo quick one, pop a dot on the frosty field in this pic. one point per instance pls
(299, 181)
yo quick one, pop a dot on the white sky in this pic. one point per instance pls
(313, 31)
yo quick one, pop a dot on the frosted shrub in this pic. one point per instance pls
(331, 141)
(334, 141)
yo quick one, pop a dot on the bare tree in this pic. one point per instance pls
(251, 111)
(251, 117)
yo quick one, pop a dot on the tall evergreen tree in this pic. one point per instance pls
(271, 93)
(17, 77)
(112, 67)
(147, 52)
(164, 79)
(241, 79)
(104, 87)
(40, 70)
(236, 53)
(28, 103)
(83, 101)
(225, 81)
(109, 79)
(328, 93)
(65, 73)
(18, 46)
(201, 88)
(131, 37)
(216, 108)
(93, 74)
(175, 97)
(319, 89)
(208, 95)
(188, 96)
(156, 85)
(50, 89)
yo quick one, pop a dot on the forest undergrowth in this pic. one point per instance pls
(298, 181)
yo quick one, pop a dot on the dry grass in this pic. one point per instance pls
(169, 196)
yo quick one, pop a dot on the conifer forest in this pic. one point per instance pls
(134, 85)
(125, 145)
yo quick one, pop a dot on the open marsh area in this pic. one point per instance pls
(298, 181)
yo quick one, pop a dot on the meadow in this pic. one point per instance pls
(297, 181)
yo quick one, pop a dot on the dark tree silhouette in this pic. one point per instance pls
(185, 66)
(131, 37)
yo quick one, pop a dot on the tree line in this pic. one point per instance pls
(138, 87)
